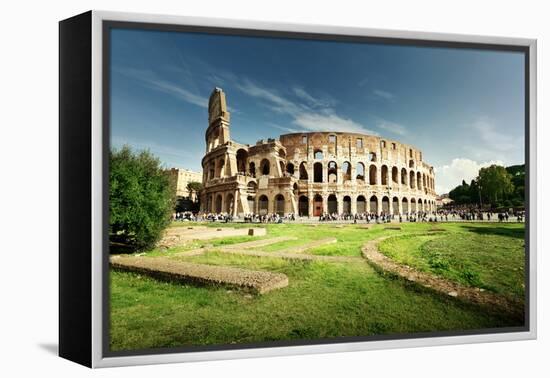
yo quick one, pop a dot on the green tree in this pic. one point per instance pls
(495, 183)
(141, 198)
(194, 187)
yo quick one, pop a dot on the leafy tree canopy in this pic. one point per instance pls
(141, 198)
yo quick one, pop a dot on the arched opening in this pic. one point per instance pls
(411, 179)
(318, 172)
(209, 204)
(303, 206)
(346, 171)
(411, 163)
(403, 176)
(361, 204)
(242, 159)
(413, 205)
(347, 205)
(263, 205)
(420, 205)
(372, 175)
(395, 205)
(318, 155)
(220, 168)
(282, 166)
(373, 205)
(265, 167)
(360, 172)
(218, 207)
(280, 204)
(295, 189)
(229, 203)
(251, 204)
(372, 157)
(332, 172)
(405, 205)
(290, 168)
(252, 169)
(332, 203)
(426, 208)
(424, 184)
(317, 205)
(419, 180)
(386, 205)
(384, 175)
(282, 153)
(211, 171)
(303, 171)
(395, 175)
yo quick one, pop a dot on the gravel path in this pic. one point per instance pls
(442, 285)
(259, 282)
(295, 256)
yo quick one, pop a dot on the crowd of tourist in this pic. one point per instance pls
(446, 215)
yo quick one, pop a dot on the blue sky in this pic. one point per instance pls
(463, 108)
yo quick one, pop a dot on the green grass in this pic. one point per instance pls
(323, 300)
(486, 256)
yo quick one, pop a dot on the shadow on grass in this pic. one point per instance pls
(518, 233)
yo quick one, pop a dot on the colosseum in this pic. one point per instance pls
(309, 174)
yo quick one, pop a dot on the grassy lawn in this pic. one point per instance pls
(323, 299)
(489, 256)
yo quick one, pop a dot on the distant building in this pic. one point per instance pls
(443, 200)
(184, 177)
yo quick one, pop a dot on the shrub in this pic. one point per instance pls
(141, 199)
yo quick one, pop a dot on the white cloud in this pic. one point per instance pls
(315, 102)
(495, 139)
(383, 94)
(313, 115)
(451, 175)
(329, 122)
(392, 127)
(152, 81)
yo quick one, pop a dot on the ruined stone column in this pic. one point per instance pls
(340, 203)
(353, 204)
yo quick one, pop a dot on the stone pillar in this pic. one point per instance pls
(379, 204)
(325, 204)
(235, 203)
(354, 204)
(399, 205)
(310, 207)
(340, 203)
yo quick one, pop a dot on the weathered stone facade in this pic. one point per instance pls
(311, 173)
(182, 177)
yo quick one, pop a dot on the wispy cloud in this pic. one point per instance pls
(490, 134)
(316, 102)
(283, 128)
(151, 80)
(392, 127)
(329, 122)
(310, 114)
(383, 94)
(451, 175)
(488, 142)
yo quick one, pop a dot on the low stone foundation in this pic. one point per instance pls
(258, 282)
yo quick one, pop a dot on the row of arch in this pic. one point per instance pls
(396, 176)
(220, 203)
(411, 178)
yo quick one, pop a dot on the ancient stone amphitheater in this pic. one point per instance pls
(309, 174)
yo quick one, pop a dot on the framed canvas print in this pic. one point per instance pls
(234, 189)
